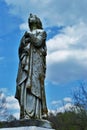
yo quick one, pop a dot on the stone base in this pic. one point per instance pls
(26, 128)
(26, 125)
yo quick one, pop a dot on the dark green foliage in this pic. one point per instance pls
(76, 118)
(68, 121)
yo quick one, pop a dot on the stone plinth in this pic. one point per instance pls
(26, 125)
(26, 128)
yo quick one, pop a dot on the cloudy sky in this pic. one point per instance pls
(65, 22)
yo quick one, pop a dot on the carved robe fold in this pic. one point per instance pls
(30, 90)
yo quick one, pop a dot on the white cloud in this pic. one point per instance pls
(24, 26)
(3, 90)
(11, 99)
(17, 115)
(13, 106)
(54, 112)
(64, 108)
(64, 55)
(12, 103)
(65, 103)
(52, 12)
(67, 99)
(67, 54)
(2, 95)
(61, 105)
(9, 105)
(56, 102)
(70, 36)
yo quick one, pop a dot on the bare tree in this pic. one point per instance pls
(3, 108)
(4, 113)
(80, 96)
(80, 103)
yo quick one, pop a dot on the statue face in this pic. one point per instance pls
(34, 22)
(32, 18)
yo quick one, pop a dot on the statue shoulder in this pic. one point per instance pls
(42, 32)
(26, 34)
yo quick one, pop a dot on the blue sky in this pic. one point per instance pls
(65, 22)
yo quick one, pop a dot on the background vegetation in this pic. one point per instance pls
(76, 117)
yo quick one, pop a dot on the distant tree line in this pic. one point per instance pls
(76, 117)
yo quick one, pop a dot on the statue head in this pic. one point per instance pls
(34, 22)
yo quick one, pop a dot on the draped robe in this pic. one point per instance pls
(30, 90)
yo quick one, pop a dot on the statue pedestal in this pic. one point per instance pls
(26, 128)
(26, 125)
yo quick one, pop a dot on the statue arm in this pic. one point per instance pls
(24, 49)
(25, 41)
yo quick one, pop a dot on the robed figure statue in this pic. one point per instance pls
(30, 90)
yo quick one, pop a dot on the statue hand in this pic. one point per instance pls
(27, 37)
(27, 40)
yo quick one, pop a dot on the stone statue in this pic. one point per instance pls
(30, 90)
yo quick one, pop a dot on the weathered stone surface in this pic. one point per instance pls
(26, 128)
(30, 88)
(26, 123)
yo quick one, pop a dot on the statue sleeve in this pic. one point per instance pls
(23, 49)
